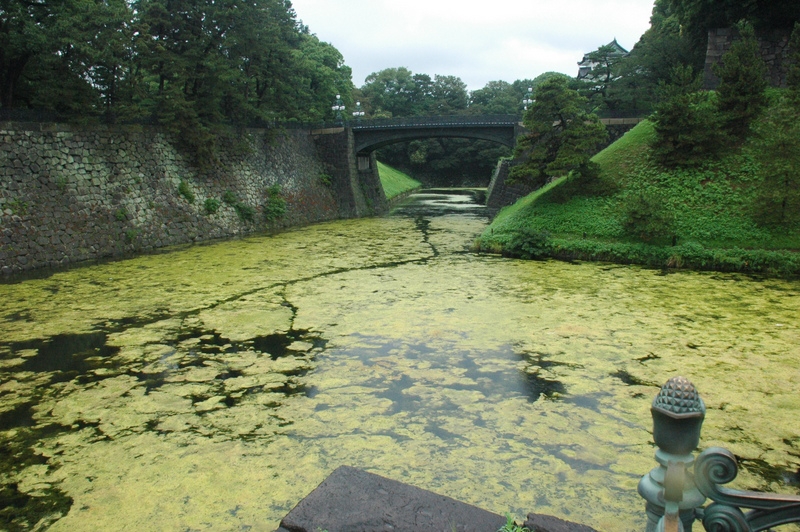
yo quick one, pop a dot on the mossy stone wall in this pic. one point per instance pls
(70, 194)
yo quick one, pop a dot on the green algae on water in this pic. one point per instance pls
(216, 386)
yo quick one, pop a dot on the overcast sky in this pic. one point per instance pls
(476, 40)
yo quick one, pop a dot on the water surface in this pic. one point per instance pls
(213, 387)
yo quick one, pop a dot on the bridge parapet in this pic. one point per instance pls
(438, 121)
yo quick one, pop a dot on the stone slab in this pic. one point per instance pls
(356, 501)
(548, 523)
(352, 500)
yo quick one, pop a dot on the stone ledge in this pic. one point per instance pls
(352, 500)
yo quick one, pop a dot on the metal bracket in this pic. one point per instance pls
(717, 466)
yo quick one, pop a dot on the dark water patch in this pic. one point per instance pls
(122, 324)
(631, 380)
(647, 358)
(18, 316)
(296, 372)
(540, 386)
(66, 355)
(441, 433)
(401, 402)
(19, 416)
(231, 401)
(151, 381)
(787, 476)
(584, 401)
(229, 374)
(543, 361)
(577, 464)
(279, 345)
(21, 512)
(292, 388)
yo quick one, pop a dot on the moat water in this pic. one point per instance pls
(212, 387)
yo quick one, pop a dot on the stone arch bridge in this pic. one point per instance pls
(349, 150)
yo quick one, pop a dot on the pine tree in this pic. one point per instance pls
(562, 134)
(743, 83)
(793, 79)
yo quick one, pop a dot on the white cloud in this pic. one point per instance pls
(476, 40)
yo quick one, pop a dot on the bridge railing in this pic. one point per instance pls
(435, 121)
(677, 488)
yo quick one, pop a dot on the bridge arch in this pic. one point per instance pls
(375, 134)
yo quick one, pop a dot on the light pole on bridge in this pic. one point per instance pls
(528, 100)
(358, 113)
(338, 107)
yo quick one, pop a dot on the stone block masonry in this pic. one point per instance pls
(774, 47)
(71, 194)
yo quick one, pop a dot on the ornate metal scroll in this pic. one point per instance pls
(717, 466)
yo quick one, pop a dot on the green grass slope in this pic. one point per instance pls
(710, 212)
(395, 182)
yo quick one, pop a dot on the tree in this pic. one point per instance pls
(793, 77)
(779, 151)
(561, 136)
(449, 95)
(686, 121)
(394, 90)
(606, 61)
(495, 98)
(651, 61)
(741, 91)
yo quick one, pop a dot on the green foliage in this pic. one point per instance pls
(562, 135)
(712, 209)
(185, 191)
(121, 215)
(211, 205)
(398, 92)
(246, 212)
(793, 77)
(528, 243)
(230, 198)
(686, 122)
(597, 85)
(696, 17)
(395, 182)
(778, 152)
(193, 67)
(647, 217)
(741, 91)
(18, 207)
(131, 234)
(326, 179)
(275, 207)
(511, 526)
(651, 61)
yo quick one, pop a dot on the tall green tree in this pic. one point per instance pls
(793, 77)
(562, 136)
(686, 121)
(777, 134)
(394, 91)
(741, 91)
(651, 61)
(597, 85)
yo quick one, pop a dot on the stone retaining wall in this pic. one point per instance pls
(71, 194)
(774, 52)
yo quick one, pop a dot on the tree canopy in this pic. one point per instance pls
(179, 62)
(562, 135)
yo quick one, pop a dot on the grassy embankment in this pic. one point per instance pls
(711, 213)
(395, 182)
